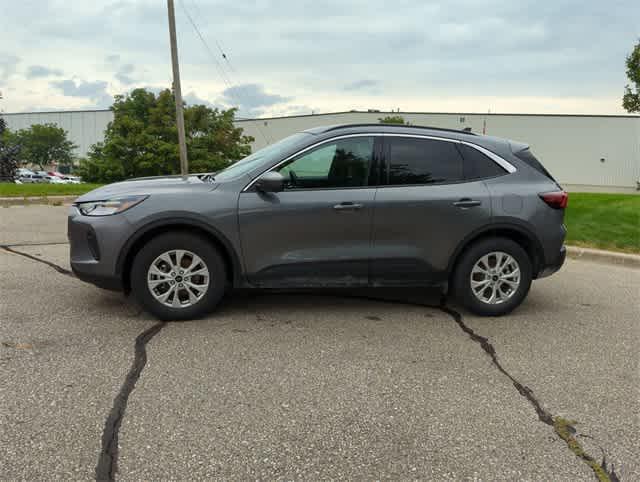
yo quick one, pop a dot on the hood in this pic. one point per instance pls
(147, 185)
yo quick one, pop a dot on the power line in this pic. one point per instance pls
(220, 49)
(240, 92)
(206, 45)
(239, 85)
(229, 83)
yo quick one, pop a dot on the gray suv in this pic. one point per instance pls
(338, 206)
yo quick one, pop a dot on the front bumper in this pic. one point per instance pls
(95, 244)
(555, 265)
(113, 283)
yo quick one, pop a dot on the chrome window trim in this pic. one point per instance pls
(510, 168)
(418, 136)
(503, 163)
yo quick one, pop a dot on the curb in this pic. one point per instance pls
(601, 256)
(26, 201)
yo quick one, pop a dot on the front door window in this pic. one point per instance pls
(337, 164)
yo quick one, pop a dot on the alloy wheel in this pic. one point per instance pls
(495, 278)
(178, 278)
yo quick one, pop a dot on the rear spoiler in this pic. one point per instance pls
(518, 146)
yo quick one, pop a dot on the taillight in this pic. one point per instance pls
(556, 199)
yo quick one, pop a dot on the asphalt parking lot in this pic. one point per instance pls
(343, 385)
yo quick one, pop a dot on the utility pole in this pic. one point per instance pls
(177, 91)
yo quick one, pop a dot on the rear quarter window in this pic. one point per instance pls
(527, 156)
(477, 165)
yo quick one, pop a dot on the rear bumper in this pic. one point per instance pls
(555, 265)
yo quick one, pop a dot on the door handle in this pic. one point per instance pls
(347, 206)
(466, 203)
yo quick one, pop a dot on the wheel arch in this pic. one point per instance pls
(155, 228)
(516, 232)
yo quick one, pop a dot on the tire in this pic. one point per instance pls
(193, 299)
(506, 296)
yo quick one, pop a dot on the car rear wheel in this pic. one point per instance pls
(493, 277)
(178, 276)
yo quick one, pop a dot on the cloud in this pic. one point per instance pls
(95, 91)
(328, 53)
(190, 98)
(81, 89)
(251, 99)
(153, 88)
(293, 109)
(38, 71)
(193, 99)
(7, 65)
(124, 74)
(39, 108)
(364, 84)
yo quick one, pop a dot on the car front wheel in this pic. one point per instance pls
(178, 276)
(493, 277)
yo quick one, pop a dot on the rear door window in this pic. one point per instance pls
(422, 161)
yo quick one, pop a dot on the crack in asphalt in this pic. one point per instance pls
(43, 243)
(55, 266)
(108, 459)
(525, 391)
(564, 429)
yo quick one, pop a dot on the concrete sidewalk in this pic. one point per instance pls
(28, 200)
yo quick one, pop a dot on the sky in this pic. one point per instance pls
(298, 57)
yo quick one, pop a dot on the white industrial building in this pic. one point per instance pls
(584, 152)
(84, 127)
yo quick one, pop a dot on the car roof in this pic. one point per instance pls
(403, 128)
(496, 144)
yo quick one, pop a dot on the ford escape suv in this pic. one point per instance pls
(338, 206)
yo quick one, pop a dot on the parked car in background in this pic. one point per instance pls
(67, 178)
(31, 178)
(59, 176)
(55, 180)
(339, 206)
(48, 178)
(23, 171)
(73, 179)
(44, 175)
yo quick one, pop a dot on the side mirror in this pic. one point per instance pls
(271, 181)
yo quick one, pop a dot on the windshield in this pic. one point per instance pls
(264, 155)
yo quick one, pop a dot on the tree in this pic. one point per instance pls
(142, 139)
(392, 119)
(8, 154)
(631, 98)
(44, 144)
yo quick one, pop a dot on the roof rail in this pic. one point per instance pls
(406, 126)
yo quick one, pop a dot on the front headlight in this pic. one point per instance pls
(109, 207)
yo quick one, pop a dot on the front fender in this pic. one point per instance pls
(162, 222)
